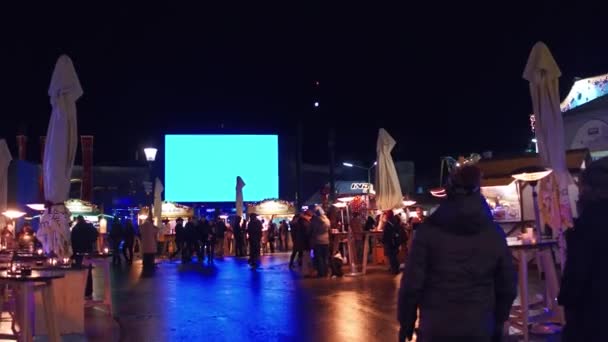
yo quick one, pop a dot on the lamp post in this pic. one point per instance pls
(369, 177)
(368, 169)
(150, 153)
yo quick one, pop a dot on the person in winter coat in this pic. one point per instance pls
(297, 242)
(272, 235)
(583, 290)
(238, 237)
(320, 240)
(207, 240)
(192, 237)
(83, 237)
(116, 236)
(254, 229)
(220, 234)
(391, 239)
(459, 274)
(180, 237)
(148, 244)
(129, 238)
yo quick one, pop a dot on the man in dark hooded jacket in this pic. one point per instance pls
(583, 291)
(254, 229)
(459, 273)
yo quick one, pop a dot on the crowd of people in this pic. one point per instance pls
(311, 231)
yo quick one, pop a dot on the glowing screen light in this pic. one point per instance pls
(203, 168)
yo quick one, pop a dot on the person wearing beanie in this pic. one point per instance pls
(582, 293)
(459, 274)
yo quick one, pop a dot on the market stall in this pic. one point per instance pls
(170, 212)
(88, 210)
(272, 209)
(511, 202)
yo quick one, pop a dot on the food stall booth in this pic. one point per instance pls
(274, 210)
(170, 212)
(512, 203)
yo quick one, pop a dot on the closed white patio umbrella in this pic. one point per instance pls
(388, 188)
(240, 184)
(158, 202)
(5, 160)
(59, 154)
(543, 74)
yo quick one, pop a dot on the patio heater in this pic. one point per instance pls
(351, 252)
(532, 175)
(13, 215)
(341, 206)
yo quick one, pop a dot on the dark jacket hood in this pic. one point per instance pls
(462, 214)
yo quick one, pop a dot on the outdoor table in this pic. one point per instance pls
(522, 318)
(369, 235)
(25, 286)
(68, 294)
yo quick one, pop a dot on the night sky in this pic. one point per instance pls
(442, 80)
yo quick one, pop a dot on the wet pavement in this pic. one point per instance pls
(228, 301)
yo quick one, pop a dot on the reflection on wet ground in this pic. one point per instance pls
(228, 301)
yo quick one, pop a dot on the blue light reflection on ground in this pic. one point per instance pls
(219, 302)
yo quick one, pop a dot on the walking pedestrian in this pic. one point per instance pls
(391, 239)
(129, 238)
(459, 274)
(116, 236)
(238, 237)
(148, 241)
(254, 229)
(180, 237)
(297, 248)
(583, 290)
(220, 234)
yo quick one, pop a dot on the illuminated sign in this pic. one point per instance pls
(272, 207)
(359, 186)
(78, 206)
(585, 90)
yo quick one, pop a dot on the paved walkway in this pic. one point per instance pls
(230, 302)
